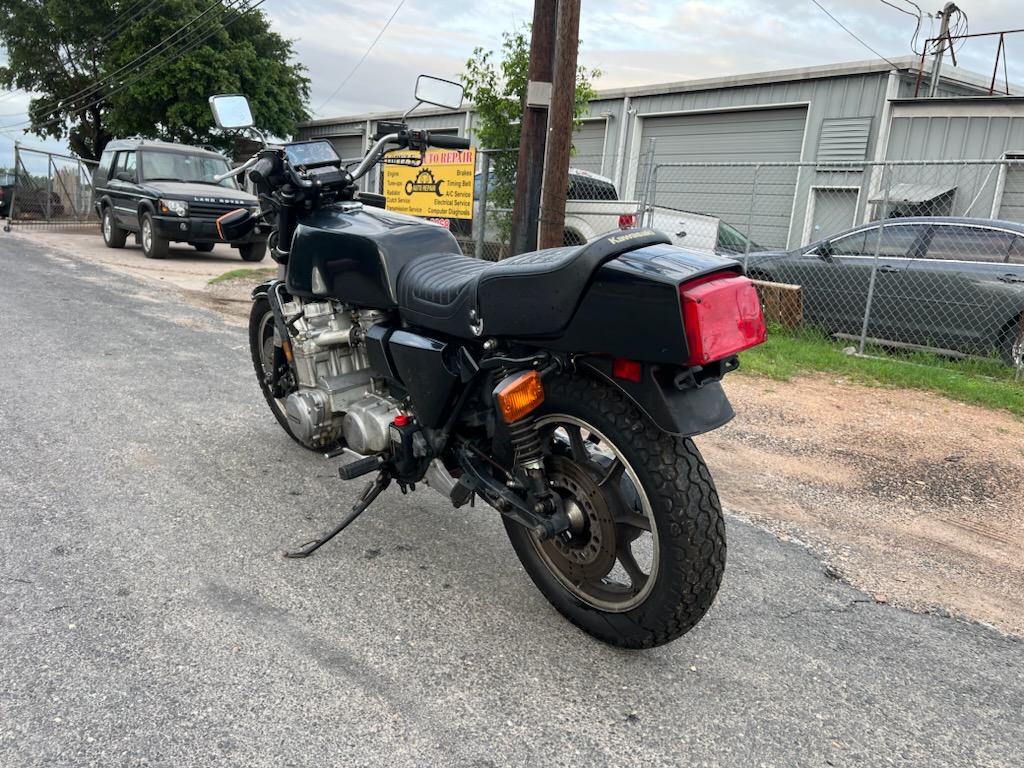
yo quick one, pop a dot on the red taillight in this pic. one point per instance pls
(630, 370)
(722, 316)
(627, 221)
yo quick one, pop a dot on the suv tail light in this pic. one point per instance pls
(722, 316)
(627, 221)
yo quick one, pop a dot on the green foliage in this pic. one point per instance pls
(498, 92)
(786, 354)
(103, 73)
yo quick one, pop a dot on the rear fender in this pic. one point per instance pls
(674, 398)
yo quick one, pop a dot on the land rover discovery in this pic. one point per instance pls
(167, 193)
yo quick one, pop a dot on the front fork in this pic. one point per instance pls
(282, 360)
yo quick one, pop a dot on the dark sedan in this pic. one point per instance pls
(951, 284)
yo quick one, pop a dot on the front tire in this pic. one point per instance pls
(253, 251)
(265, 357)
(113, 235)
(153, 246)
(645, 555)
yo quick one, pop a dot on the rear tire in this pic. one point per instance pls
(203, 247)
(1011, 343)
(113, 235)
(646, 554)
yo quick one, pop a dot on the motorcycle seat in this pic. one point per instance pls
(531, 295)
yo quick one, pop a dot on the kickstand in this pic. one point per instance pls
(371, 492)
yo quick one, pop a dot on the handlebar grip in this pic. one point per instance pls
(264, 167)
(449, 142)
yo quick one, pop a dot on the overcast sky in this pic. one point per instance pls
(632, 42)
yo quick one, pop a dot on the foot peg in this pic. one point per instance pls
(359, 468)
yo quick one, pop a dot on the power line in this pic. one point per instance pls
(851, 34)
(379, 35)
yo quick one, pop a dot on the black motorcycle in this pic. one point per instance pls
(562, 386)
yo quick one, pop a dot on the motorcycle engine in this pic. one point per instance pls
(337, 394)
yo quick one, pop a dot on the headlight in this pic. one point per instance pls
(177, 207)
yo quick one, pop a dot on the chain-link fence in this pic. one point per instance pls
(932, 267)
(593, 205)
(46, 189)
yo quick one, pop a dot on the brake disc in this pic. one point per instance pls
(586, 552)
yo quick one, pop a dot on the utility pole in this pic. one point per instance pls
(946, 12)
(560, 123)
(530, 169)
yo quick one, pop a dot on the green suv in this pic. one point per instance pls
(169, 193)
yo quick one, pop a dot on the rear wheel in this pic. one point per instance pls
(1011, 343)
(203, 247)
(153, 246)
(645, 554)
(113, 235)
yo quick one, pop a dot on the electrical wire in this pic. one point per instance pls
(851, 34)
(359, 63)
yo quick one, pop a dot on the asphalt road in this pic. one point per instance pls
(148, 618)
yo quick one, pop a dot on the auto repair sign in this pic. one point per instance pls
(440, 189)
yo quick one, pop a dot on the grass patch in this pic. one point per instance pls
(987, 383)
(264, 273)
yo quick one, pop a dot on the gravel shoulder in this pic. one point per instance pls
(913, 498)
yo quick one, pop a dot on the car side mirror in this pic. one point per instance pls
(125, 176)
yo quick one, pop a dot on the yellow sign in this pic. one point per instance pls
(441, 189)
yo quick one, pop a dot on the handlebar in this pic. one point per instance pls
(449, 142)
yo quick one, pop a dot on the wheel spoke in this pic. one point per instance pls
(627, 560)
(613, 473)
(576, 446)
(632, 519)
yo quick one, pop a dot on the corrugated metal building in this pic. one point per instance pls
(846, 113)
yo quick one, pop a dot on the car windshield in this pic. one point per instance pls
(184, 166)
(731, 239)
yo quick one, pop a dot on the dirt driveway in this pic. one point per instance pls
(913, 498)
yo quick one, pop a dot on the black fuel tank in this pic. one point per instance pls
(356, 255)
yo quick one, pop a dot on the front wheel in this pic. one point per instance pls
(645, 553)
(253, 251)
(266, 356)
(153, 246)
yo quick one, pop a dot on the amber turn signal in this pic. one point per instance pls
(518, 395)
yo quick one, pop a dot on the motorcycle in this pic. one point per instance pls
(562, 387)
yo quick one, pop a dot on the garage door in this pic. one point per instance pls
(1011, 206)
(349, 147)
(742, 138)
(588, 147)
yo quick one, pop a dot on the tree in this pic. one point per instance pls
(498, 93)
(106, 68)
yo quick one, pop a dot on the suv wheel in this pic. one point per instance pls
(253, 251)
(153, 246)
(113, 235)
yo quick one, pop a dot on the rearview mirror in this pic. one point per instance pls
(231, 111)
(440, 93)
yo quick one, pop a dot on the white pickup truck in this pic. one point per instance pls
(593, 208)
